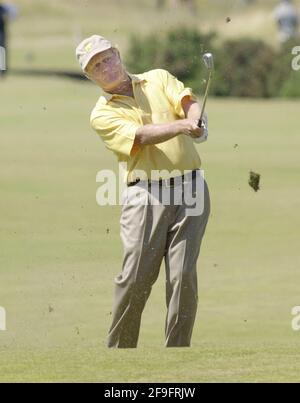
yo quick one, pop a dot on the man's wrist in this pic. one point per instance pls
(177, 127)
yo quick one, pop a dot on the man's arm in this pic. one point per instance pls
(158, 133)
(191, 109)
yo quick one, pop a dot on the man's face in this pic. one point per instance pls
(106, 69)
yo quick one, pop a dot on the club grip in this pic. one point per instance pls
(200, 123)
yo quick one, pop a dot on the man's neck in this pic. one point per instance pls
(125, 88)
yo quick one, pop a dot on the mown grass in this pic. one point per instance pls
(57, 259)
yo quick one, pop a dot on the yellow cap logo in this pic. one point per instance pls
(88, 47)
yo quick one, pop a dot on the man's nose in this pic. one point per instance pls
(111, 64)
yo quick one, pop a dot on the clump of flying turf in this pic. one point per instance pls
(254, 181)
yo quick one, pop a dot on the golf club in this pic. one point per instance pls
(208, 60)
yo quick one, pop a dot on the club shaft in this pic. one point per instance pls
(205, 97)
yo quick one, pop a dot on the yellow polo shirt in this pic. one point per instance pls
(157, 99)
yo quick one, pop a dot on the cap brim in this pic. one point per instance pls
(92, 54)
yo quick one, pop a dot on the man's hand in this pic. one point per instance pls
(190, 128)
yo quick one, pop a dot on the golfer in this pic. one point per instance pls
(8, 12)
(150, 122)
(287, 19)
(3, 14)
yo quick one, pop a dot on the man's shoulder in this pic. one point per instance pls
(155, 74)
(100, 108)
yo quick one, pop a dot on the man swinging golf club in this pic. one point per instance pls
(151, 122)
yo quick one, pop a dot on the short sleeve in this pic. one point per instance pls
(176, 91)
(117, 132)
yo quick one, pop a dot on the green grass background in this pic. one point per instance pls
(58, 261)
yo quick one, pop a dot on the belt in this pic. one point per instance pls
(171, 182)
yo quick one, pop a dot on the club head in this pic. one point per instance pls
(208, 60)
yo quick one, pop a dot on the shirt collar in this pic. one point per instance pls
(135, 80)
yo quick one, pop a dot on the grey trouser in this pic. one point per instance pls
(149, 234)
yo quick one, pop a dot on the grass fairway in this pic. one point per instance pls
(57, 259)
